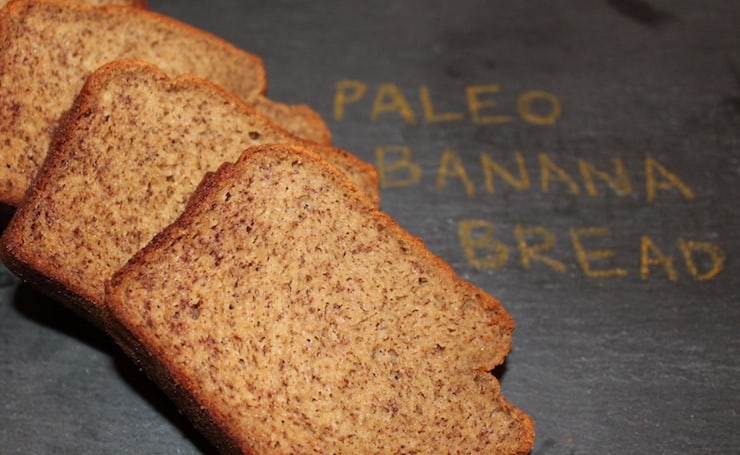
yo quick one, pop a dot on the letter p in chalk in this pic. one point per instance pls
(347, 92)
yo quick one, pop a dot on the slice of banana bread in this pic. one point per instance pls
(286, 314)
(132, 150)
(49, 47)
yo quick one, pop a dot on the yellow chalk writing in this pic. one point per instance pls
(450, 165)
(619, 182)
(535, 106)
(389, 98)
(490, 166)
(650, 254)
(667, 181)
(551, 174)
(430, 115)
(524, 107)
(548, 169)
(714, 253)
(533, 252)
(476, 104)
(585, 256)
(402, 164)
(536, 245)
(480, 248)
(347, 92)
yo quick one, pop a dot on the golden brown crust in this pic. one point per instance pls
(283, 355)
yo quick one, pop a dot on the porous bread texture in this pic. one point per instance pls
(291, 314)
(133, 149)
(48, 48)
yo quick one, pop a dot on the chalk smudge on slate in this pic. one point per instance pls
(641, 12)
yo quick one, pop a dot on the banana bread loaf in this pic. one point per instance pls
(132, 150)
(286, 314)
(49, 47)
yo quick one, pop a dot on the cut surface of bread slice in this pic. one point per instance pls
(49, 47)
(286, 314)
(132, 150)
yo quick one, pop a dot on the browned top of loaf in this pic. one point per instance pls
(48, 48)
(303, 320)
(134, 148)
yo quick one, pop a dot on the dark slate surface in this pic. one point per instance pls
(625, 289)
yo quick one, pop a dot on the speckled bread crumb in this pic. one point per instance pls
(133, 149)
(283, 310)
(49, 47)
